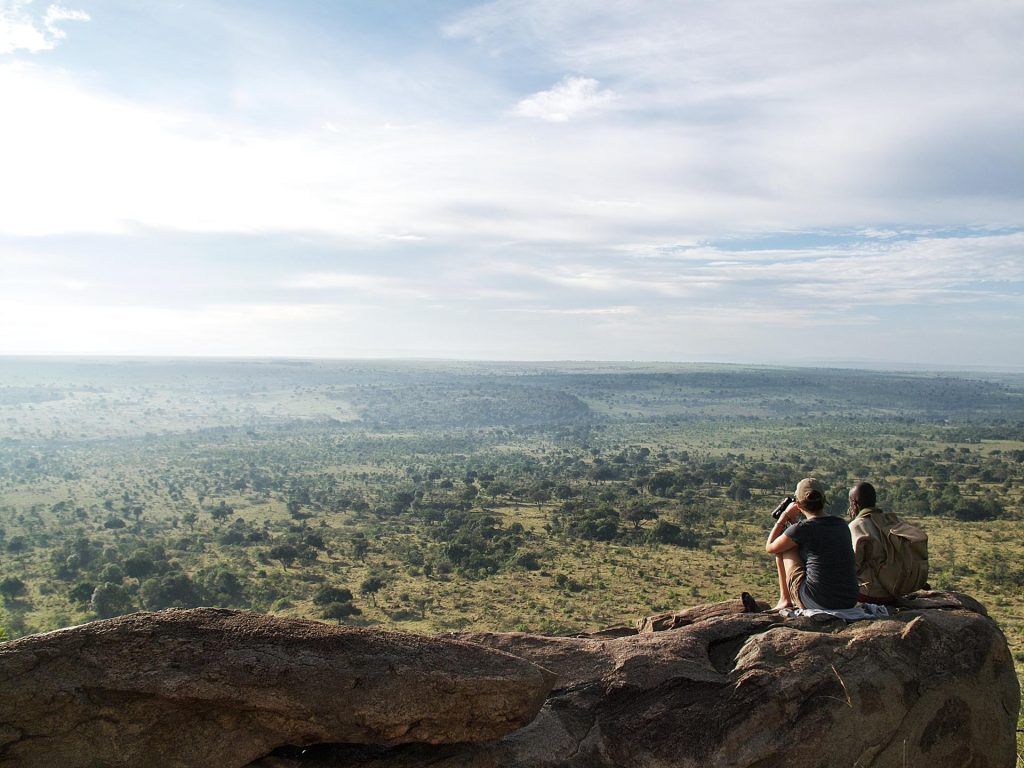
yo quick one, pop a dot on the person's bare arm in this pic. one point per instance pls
(778, 543)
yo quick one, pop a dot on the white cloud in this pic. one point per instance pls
(491, 295)
(733, 119)
(800, 101)
(824, 282)
(622, 310)
(362, 284)
(249, 329)
(742, 318)
(75, 160)
(55, 14)
(892, 296)
(929, 270)
(20, 30)
(569, 98)
(322, 280)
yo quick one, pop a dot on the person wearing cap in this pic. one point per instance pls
(813, 555)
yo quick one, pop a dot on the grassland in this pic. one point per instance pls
(544, 498)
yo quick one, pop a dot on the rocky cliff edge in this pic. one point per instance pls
(715, 685)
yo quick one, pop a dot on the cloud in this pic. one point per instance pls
(362, 284)
(623, 310)
(491, 295)
(742, 318)
(799, 282)
(899, 296)
(20, 30)
(322, 280)
(925, 270)
(76, 160)
(729, 119)
(608, 272)
(55, 14)
(244, 329)
(569, 98)
(796, 100)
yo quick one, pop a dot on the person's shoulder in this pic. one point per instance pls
(860, 524)
(869, 511)
(818, 523)
(864, 515)
(876, 516)
(827, 520)
(797, 528)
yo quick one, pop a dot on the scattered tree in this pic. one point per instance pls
(11, 588)
(109, 600)
(340, 611)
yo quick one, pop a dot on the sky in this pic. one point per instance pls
(786, 182)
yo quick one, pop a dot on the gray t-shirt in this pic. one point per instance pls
(827, 551)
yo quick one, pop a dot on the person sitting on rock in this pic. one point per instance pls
(814, 557)
(891, 555)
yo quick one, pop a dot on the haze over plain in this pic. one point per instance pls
(793, 182)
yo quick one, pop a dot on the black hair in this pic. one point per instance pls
(864, 493)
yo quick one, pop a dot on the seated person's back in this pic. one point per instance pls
(891, 556)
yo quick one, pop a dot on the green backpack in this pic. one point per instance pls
(892, 555)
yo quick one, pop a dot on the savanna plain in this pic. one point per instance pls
(430, 496)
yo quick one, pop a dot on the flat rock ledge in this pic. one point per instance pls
(211, 688)
(933, 685)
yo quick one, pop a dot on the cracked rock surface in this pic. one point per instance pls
(209, 687)
(932, 686)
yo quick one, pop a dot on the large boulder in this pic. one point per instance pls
(209, 687)
(932, 685)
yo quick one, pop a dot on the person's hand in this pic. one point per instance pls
(792, 513)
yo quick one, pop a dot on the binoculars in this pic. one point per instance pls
(777, 512)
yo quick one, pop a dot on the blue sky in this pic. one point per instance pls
(795, 182)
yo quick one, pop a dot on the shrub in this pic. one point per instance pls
(109, 600)
(174, 590)
(340, 611)
(327, 595)
(12, 587)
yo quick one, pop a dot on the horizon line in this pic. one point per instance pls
(821, 364)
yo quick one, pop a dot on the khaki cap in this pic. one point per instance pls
(809, 489)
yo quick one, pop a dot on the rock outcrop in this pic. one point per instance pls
(714, 685)
(677, 619)
(209, 687)
(931, 686)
